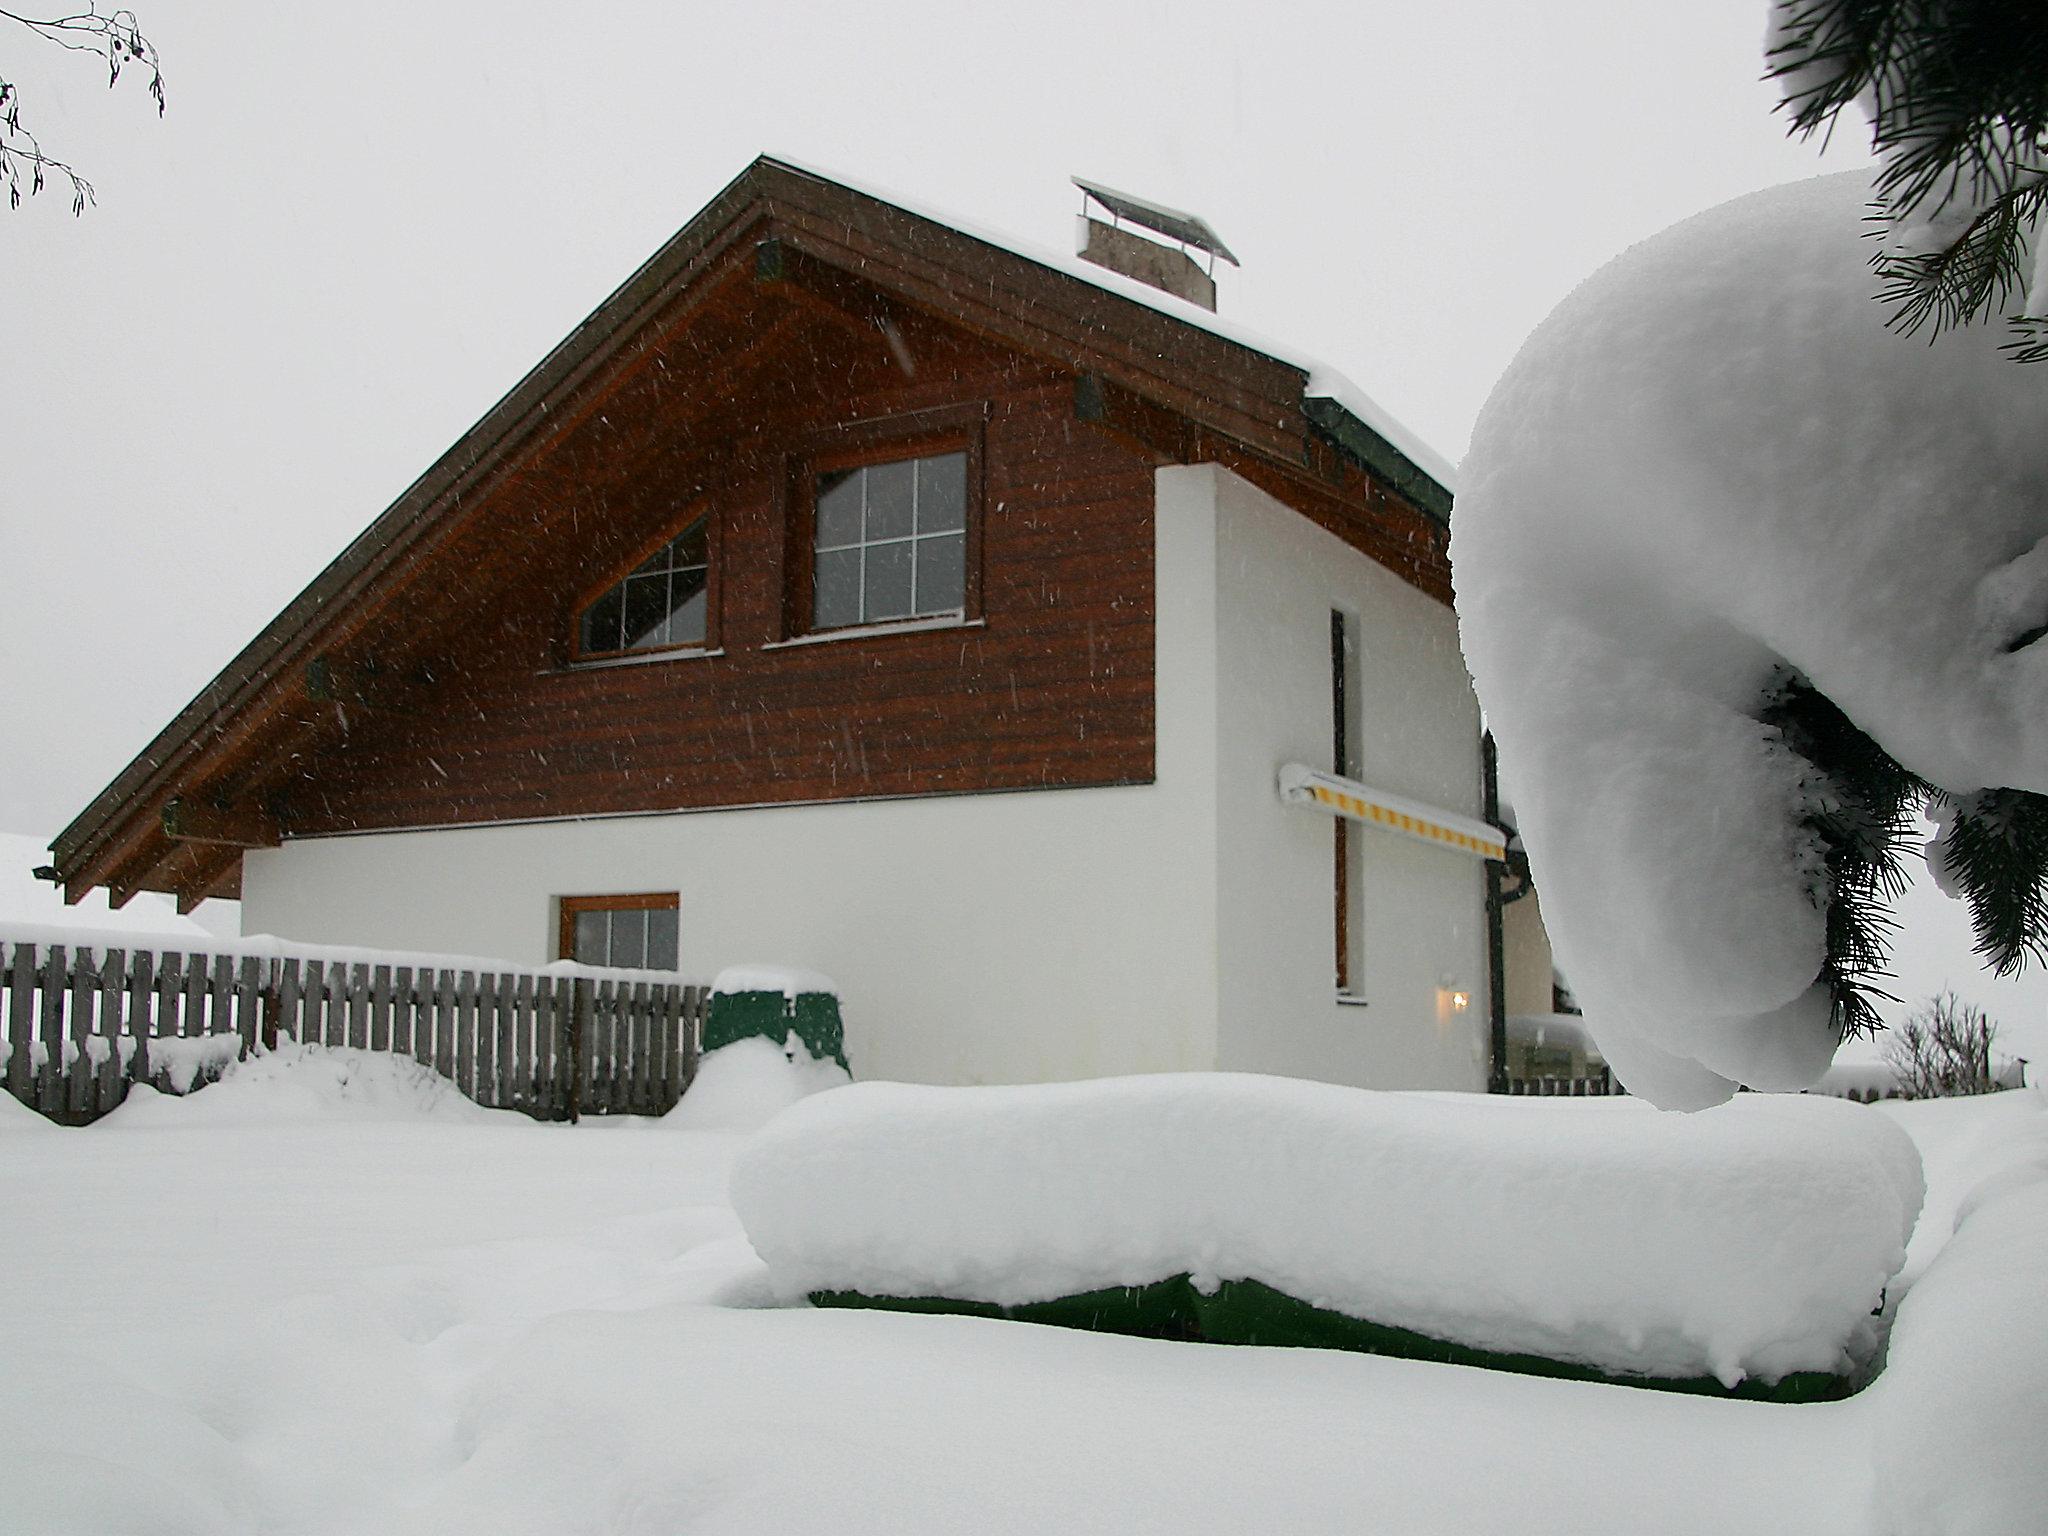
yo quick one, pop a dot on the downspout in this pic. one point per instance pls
(1496, 942)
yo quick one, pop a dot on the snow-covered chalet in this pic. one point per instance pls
(1068, 674)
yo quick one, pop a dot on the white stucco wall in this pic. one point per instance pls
(986, 938)
(1422, 908)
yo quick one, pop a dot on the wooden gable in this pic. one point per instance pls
(425, 679)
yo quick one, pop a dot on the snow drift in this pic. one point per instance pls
(1961, 1444)
(1750, 1242)
(302, 1084)
(1713, 462)
(744, 1085)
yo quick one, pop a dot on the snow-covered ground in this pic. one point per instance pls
(326, 1296)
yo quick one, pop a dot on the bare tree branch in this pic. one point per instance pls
(115, 37)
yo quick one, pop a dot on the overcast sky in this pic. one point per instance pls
(359, 224)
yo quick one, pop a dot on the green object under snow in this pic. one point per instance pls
(1248, 1312)
(812, 1016)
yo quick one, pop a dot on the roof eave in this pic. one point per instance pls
(1372, 452)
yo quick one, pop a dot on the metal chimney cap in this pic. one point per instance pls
(1188, 228)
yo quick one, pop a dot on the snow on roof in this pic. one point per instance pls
(1324, 381)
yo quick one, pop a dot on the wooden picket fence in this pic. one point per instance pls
(79, 1026)
(1565, 1087)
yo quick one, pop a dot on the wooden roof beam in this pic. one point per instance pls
(216, 874)
(234, 826)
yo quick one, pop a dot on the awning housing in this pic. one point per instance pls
(1302, 785)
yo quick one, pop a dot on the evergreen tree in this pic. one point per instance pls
(1956, 92)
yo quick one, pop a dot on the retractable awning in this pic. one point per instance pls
(1302, 785)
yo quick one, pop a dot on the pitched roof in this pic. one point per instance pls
(1132, 348)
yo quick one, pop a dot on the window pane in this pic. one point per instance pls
(661, 940)
(838, 589)
(888, 583)
(689, 547)
(686, 619)
(629, 937)
(889, 499)
(646, 611)
(942, 573)
(601, 622)
(839, 509)
(592, 931)
(942, 493)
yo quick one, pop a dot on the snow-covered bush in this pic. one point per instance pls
(1751, 1242)
(1720, 532)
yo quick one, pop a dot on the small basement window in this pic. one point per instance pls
(662, 604)
(889, 541)
(637, 931)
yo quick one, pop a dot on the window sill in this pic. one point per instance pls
(1351, 1000)
(648, 659)
(869, 631)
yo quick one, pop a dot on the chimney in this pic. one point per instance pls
(1169, 268)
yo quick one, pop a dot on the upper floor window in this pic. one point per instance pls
(662, 603)
(890, 542)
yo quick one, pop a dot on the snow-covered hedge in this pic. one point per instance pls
(773, 1002)
(1751, 1241)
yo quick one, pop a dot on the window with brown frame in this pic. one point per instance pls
(886, 526)
(638, 931)
(662, 604)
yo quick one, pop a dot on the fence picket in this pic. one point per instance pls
(21, 997)
(192, 1009)
(50, 1080)
(77, 1071)
(380, 1008)
(249, 1003)
(359, 1006)
(401, 1011)
(508, 1024)
(444, 1025)
(141, 1011)
(547, 1025)
(108, 1084)
(486, 1089)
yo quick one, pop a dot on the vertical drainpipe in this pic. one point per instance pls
(1496, 944)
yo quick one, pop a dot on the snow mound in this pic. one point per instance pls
(1961, 1440)
(17, 1116)
(744, 1085)
(299, 1083)
(1710, 463)
(1752, 1241)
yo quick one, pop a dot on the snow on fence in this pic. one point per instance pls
(79, 1024)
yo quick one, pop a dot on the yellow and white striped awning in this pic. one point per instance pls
(1302, 785)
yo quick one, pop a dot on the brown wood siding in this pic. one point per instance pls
(1052, 687)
